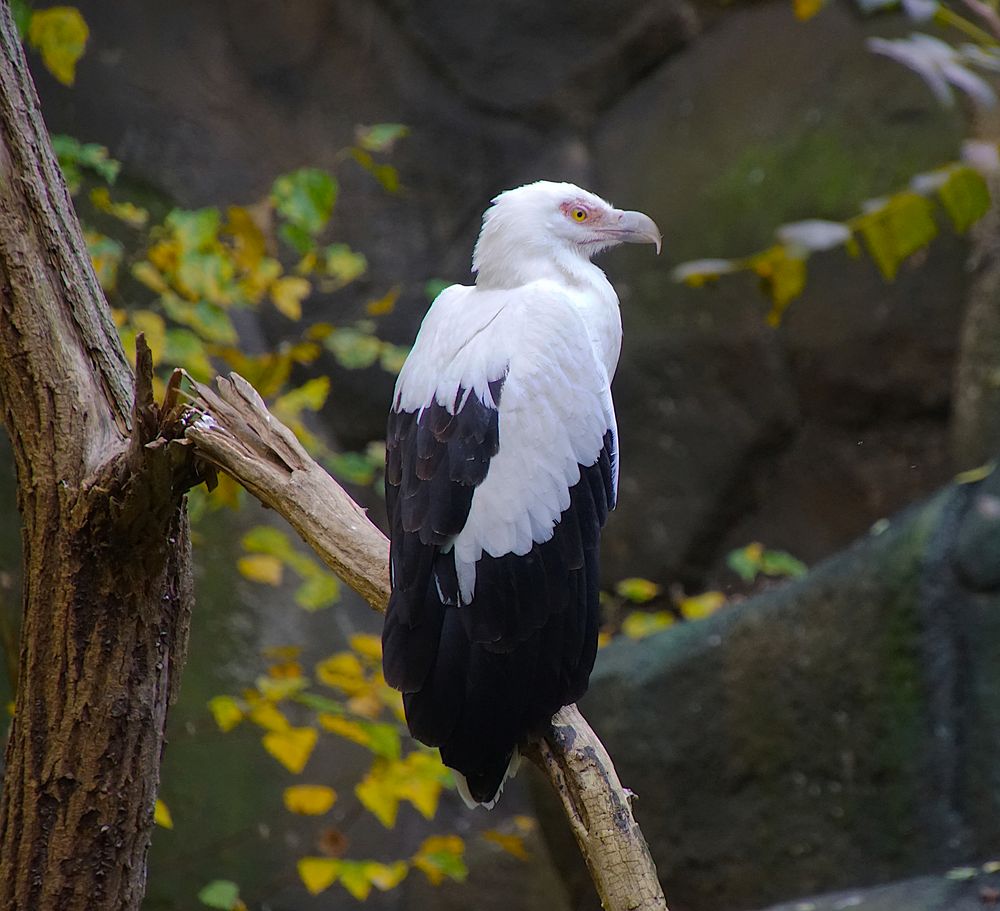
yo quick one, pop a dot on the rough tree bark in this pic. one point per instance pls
(107, 584)
(107, 581)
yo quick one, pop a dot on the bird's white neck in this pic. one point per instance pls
(592, 293)
(507, 268)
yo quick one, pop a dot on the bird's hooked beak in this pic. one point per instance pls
(636, 228)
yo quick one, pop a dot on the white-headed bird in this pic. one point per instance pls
(501, 466)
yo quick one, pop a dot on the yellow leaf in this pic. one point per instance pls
(386, 876)
(164, 255)
(638, 591)
(258, 279)
(269, 716)
(440, 856)
(292, 748)
(275, 689)
(249, 244)
(782, 276)
(343, 671)
(603, 638)
(161, 815)
(153, 326)
(288, 293)
(309, 799)
(367, 645)
(422, 787)
(639, 624)
(227, 492)
(128, 212)
(282, 652)
(512, 844)
(376, 793)
(698, 606)
(385, 304)
(354, 879)
(226, 711)
(150, 276)
(285, 670)
(367, 705)
(525, 823)
(60, 34)
(975, 474)
(806, 9)
(344, 727)
(318, 873)
(263, 568)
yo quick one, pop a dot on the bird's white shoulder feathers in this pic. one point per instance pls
(555, 405)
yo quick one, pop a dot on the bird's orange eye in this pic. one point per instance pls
(578, 214)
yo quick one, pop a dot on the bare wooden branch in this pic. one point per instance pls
(599, 811)
(233, 430)
(238, 434)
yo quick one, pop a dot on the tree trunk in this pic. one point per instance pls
(107, 582)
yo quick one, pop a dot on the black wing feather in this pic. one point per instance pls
(477, 678)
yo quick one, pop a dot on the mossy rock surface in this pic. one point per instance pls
(838, 731)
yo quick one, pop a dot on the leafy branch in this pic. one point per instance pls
(890, 229)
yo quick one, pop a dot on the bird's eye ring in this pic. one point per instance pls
(578, 213)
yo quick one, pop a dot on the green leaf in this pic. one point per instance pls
(220, 893)
(320, 703)
(965, 197)
(207, 274)
(318, 591)
(209, 320)
(185, 349)
(263, 539)
(380, 137)
(74, 156)
(897, 229)
(353, 348)
(297, 237)
(343, 264)
(60, 34)
(780, 563)
(195, 229)
(745, 561)
(753, 560)
(21, 11)
(636, 590)
(441, 856)
(305, 198)
(310, 395)
(353, 467)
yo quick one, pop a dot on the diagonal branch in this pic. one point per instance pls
(232, 429)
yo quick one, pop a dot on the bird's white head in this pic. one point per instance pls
(546, 229)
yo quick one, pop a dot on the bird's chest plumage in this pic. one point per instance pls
(598, 305)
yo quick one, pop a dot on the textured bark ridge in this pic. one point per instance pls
(107, 584)
(233, 430)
